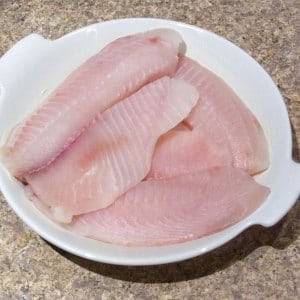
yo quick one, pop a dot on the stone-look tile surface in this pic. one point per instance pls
(260, 263)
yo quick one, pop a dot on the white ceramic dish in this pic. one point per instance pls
(35, 66)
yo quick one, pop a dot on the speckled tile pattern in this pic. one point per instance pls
(260, 263)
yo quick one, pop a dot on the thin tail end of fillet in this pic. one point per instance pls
(6, 161)
(5, 149)
(168, 35)
(56, 214)
(181, 89)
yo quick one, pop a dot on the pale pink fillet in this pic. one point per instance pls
(219, 103)
(184, 150)
(175, 210)
(118, 70)
(114, 154)
(230, 134)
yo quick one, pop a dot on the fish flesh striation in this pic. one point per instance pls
(117, 71)
(114, 153)
(175, 210)
(221, 107)
(141, 146)
(221, 131)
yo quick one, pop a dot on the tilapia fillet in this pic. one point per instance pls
(221, 107)
(85, 152)
(184, 150)
(118, 70)
(175, 210)
(115, 152)
(222, 131)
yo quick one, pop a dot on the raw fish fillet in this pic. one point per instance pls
(175, 210)
(118, 70)
(184, 150)
(222, 131)
(114, 154)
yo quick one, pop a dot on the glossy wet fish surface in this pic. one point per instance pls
(221, 130)
(117, 71)
(175, 210)
(141, 146)
(114, 153)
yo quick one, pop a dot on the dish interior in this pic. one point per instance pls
(35, 66)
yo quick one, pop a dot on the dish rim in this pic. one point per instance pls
(142, 260)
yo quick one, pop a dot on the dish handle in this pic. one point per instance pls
(296, 167)
(15, 55)
(294, 175)
(295, 170)
(291, 193)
